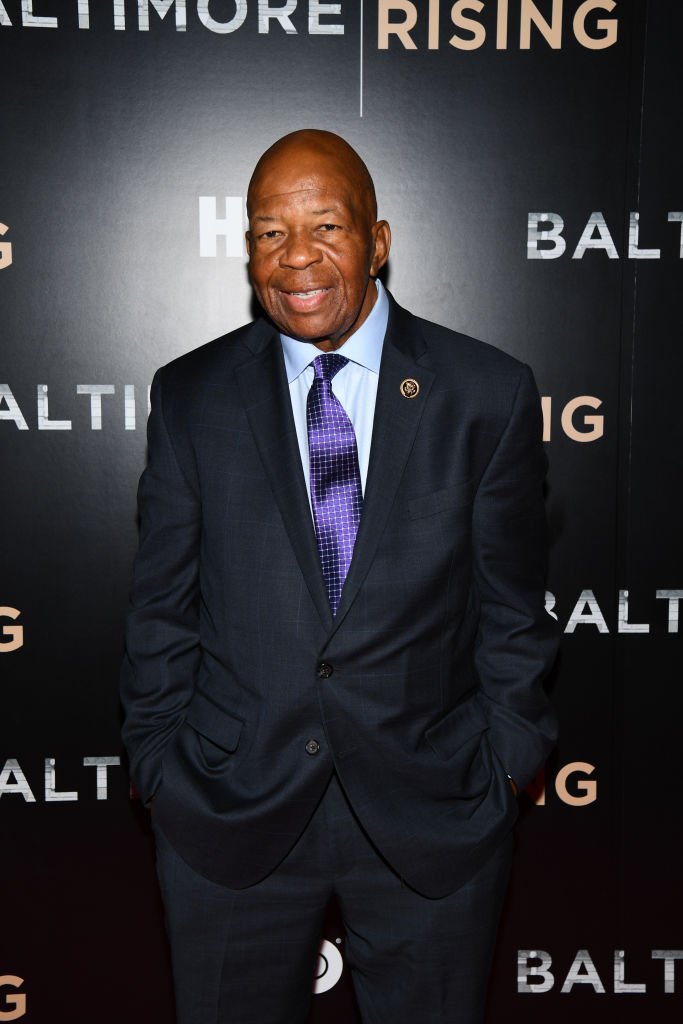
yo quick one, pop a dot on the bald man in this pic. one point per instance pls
(337, 636)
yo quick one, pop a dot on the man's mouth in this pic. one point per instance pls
(305, 301)
(308, 294)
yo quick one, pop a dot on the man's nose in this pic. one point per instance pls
(299, 252)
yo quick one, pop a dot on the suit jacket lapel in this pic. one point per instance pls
(396, 421)
(265, 393)
(263, 386)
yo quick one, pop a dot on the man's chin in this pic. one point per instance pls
(310, 332)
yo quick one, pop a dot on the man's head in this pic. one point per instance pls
(314, 241)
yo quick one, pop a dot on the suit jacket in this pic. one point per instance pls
(422, 692)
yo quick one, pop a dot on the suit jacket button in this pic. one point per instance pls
(312, 747)
(324, 670)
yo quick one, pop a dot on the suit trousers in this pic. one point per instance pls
(249, 956)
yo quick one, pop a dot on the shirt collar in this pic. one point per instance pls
(363, 347)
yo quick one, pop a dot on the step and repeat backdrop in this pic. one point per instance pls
(528, 157)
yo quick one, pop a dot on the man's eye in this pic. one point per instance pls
(329, 227)
(269, 234)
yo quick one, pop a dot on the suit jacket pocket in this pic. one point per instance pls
(459, 725)
(448, 498)
(219, 731)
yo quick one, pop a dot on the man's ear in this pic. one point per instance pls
(247, 239)
(381, 234)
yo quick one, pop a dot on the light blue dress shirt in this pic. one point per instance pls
(355, 385)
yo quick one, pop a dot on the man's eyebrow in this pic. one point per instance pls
(261, 217)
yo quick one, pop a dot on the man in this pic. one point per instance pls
(337, 638)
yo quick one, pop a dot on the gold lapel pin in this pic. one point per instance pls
(410, 388)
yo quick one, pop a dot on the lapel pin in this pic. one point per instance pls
(410, 388)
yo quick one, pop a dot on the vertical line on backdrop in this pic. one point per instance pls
(360, 112)
(636, 87)
(641, 131)
(635, 143)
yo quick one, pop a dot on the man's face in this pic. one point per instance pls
(313, 246)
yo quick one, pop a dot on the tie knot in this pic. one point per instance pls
(328, 365)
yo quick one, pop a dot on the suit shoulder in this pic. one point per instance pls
(221, 354)
(450, 348)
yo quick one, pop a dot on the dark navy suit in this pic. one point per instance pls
(242, 694)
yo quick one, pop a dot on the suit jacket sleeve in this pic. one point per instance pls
(162, 641)
(517, 640)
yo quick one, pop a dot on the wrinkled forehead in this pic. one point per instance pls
(308, 200)
(296, 178)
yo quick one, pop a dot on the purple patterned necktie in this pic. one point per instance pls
(336, 494)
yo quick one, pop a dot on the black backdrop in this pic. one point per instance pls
(491, 153)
